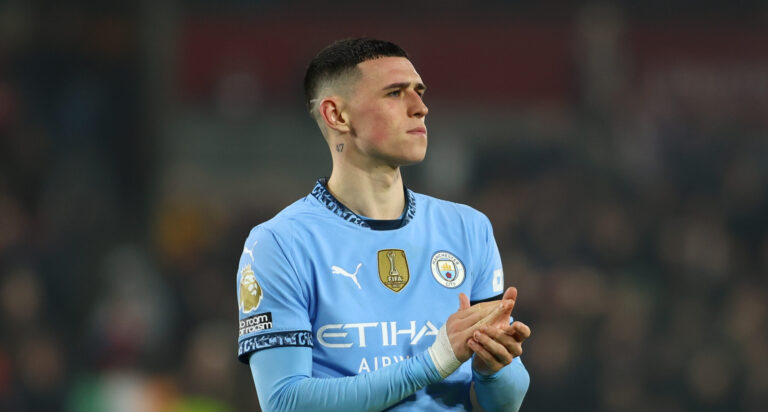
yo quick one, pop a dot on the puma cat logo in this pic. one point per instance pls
(249, 252)
(339, 271)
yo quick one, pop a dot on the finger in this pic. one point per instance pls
(463, 301)
(502, 336)
(477, 318)
(522, 331)
(510, 293)
(499, 351)
(518, 331)
(464, 328)
(502, 311)
(486, 356)
(477, 312)
(511, 331)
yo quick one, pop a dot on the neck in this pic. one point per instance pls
(376, 193)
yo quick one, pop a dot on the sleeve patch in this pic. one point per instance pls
(273, 340)
(255, 323)
(498, 280)
(250, 290)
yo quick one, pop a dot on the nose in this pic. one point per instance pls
(416, 106)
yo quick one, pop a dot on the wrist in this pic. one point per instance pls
(482, 372)
(442, 354)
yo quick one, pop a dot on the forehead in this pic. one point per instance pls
(387, 70)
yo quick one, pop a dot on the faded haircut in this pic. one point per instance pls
(338, 62)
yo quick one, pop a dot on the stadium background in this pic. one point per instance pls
(620, 150)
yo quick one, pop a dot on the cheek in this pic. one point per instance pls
(376, 126)
(379, 136)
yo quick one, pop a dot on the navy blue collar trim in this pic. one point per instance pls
(321, 193)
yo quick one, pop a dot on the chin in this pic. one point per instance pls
(417, 153)
(414, 159)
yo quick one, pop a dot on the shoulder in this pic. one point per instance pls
(280, 228)
(452, 210)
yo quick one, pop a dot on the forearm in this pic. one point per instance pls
(281, 389)
(503, 391)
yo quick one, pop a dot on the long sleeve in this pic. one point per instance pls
(283, 381)
(504, 390)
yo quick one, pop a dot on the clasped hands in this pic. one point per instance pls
(484, 329)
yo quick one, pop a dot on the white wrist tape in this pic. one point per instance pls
(442, 354)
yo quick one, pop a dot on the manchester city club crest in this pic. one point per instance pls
(250, 290)
(393, 269)
(447, 269)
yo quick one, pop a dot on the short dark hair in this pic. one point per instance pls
(342, 56)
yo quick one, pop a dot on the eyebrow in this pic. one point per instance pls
(405, 85)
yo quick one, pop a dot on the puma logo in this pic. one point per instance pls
(339, 271)
(247, 251)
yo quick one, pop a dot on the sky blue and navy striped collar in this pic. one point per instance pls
(321, 193)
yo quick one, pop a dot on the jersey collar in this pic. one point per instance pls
(321, 193)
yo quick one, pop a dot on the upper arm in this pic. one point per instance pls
(488, 275)
(272, 304)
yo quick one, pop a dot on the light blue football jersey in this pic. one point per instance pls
(365, 294)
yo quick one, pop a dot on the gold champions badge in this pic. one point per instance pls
(393, 269)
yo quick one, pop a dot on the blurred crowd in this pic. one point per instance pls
(641, 295)
(638, 238)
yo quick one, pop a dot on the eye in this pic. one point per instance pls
(395, 93)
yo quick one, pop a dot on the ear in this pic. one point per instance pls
(333, 115)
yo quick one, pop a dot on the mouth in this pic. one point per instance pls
(418, 130)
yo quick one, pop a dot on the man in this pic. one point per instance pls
(344, 296)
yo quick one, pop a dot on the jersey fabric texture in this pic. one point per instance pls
(364, 294)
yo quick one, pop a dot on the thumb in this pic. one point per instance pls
(463, 301)
(510, 293)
